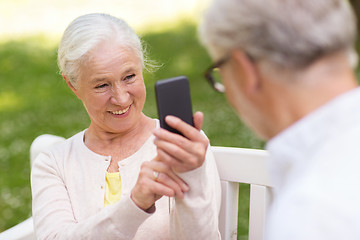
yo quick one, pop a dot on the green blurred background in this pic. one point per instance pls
(34, 100)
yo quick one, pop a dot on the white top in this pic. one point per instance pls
(68, 185)
(315, 168)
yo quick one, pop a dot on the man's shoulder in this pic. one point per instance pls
(345, 143)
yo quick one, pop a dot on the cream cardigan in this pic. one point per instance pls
(68, 185)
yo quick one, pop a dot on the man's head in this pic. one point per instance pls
(273, 50)
(289, 33)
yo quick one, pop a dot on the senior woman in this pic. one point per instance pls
(288, 71)
(111, 180)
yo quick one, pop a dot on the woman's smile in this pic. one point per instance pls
(122, 112)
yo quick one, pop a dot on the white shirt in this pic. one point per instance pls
(315, 168)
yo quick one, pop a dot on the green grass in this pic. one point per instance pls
(35, 100)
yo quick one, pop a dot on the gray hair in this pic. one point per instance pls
(287, 33)
(85, 33)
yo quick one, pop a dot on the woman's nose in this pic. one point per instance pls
(120, 96)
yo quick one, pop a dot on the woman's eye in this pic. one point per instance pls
(101, 86)
(129, 77)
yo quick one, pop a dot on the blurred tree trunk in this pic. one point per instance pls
(356, 6)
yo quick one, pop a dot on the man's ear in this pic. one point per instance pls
(251, 81)
(71, 86)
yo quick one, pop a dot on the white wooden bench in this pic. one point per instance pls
(235, 165)
(240, 165)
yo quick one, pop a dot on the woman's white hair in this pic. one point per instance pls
(85, 33)
(287, 33)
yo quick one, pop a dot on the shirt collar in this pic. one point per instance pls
(291, 150)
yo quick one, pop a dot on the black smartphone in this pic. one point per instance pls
(173, 98)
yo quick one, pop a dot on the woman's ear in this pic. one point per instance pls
(250, 79)
(71, 86)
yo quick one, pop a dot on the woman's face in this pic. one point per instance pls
(111, 87)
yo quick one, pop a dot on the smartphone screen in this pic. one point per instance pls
(173, 98)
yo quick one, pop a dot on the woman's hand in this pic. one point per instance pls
(182, 153)
(155, 180)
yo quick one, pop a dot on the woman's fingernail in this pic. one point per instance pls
(170, 119)
(156, 131)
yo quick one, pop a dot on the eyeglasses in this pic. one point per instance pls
(212, 75)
